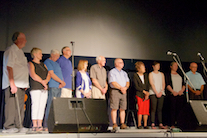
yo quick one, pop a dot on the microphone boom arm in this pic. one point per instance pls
(187, 96)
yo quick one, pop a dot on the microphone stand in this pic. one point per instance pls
(188, 80)
(204, 66)
(73, 72)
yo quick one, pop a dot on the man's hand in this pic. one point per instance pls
(13, 88)
(198, 92)
(123, 90)
(103, 91)
(62, 84)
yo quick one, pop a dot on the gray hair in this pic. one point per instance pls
(55, 51)
(15, 36)
(98, 58)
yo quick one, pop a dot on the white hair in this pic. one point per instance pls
(98, 58)
(55, 51)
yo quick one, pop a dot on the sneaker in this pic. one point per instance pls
(10, 130)
(123, 126)
(115, 127)
(23, 130)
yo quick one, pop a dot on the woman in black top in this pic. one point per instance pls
(141, 85)
(175, 86)
(39, 77)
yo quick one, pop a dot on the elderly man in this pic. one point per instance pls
(67, 69)
(119, 83)
(197, 82)
(56, 82)
(98, 76)
(15, 81)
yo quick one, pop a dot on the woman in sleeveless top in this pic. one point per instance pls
(157, 82)
(83, 81)
(39, 77)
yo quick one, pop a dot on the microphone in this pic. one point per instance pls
(171, 53)
(199, 54)
(72, 42)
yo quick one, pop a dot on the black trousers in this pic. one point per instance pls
(176, 105)
(156, 105)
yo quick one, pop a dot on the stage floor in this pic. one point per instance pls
(129, 133)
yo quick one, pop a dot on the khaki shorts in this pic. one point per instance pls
(118, 100)
(97, 94)
(66, 93)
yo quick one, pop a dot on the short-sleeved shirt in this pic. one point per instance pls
(196, 79)
(51, 65)
(120, 77)
(15, 58)
(67, 69)
(98, 73)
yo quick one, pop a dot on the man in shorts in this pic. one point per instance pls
(119, 83)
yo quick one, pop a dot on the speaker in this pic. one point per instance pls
(200, 109)
(78, 115)
(193, 116)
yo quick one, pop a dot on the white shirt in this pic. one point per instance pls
(157, 80)
(85, 79)
(142, 78)
(15, 58)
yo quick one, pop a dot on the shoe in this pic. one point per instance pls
(45, 130)
(153, 126)
(139, 127)
(23, 130)
(115, 127)
(146, 127)
(162, 127)
(123, 126)
(32, 130)
(10, 130)
(39, 129)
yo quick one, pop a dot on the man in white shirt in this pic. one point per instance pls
(15, 81)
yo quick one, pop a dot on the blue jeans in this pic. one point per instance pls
(53, 92)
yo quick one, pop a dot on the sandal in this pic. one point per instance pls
(32, 130)
(153, 126)
(39, 129)
(162, 127)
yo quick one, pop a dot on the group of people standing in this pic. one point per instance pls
(53, 78)
(47, 80)
(151, 89)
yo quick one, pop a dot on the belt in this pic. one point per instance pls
(117, 90)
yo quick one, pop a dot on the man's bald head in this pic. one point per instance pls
(119, 64)
(193, 67)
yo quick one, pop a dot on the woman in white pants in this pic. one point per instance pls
(39, 77)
